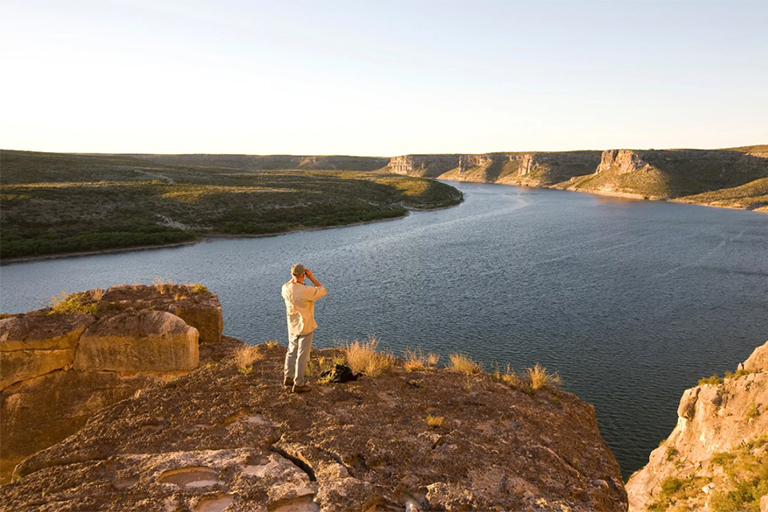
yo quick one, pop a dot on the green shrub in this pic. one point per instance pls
(714, 380)
(75, 304)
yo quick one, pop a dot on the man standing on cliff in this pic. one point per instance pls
(300, 309)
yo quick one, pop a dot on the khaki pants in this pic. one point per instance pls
(297, 357)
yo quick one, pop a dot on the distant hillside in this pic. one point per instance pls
(272, 162)
(54, 203)
(736, 177)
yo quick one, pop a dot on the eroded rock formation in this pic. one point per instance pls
(59, 368)
(734, 178)
(719, 444)
(232, 436)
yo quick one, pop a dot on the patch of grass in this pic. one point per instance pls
(245, 357)
(738, 374)
(363, 358)
(675, 490)
(752, 411)
(672, 452)
(462, 363)
(746, 469)
(539, 377)
(163, 286)
(271, 344)
(713, 380)
(416, 360)
(435, 421)
(199, 288)
(74, 304)
(723, 459)
(508, 376)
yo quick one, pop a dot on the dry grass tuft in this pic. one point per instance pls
(539, 377)
(271, 344)
(435, 421)
(163, 286)
(462, 363)
(363, 358)
(199, 288)
(508, 377)
(245, 357)
(417, 360)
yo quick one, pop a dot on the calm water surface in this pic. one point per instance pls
(631, 301)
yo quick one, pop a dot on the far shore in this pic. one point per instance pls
(623, 195)
(204, 238)
(224, 236)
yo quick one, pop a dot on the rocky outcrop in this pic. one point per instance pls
(736, 178)
(232, 436)
(622, 160)
(192, 303)
(428, 166)
(138, 342)
(60, 366)
(717, 446)
(35, 344)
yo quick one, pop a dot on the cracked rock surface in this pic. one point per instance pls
(221, 439)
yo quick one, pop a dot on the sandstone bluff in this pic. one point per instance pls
(716, 458)
(216, 435)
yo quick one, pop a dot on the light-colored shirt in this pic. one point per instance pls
(300, 306)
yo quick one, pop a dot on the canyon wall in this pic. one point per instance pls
(716, 458)
(736, 178)
(61, 365)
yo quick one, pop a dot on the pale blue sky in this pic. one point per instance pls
(385, 78)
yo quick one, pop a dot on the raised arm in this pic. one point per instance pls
(311, 277)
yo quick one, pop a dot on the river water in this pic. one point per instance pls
(630, 301)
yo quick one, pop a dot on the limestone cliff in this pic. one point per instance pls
(59, 366)
(428, 166)
(736, 177)
(716, 458)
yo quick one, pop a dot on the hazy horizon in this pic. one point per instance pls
(377, 156)
(381, 77)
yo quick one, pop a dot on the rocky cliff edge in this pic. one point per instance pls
(228, 435)
(60, 365)
(716, 458)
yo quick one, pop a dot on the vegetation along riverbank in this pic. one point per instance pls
(70, 203)
(59, 203)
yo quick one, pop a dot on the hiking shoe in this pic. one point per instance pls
(301, 389)
(288, 381)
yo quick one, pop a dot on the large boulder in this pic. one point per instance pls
(38, 343)
(135, 342)
(192, 303)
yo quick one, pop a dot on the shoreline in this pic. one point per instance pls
(621, 195)
(224, 236)
(203, 239)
